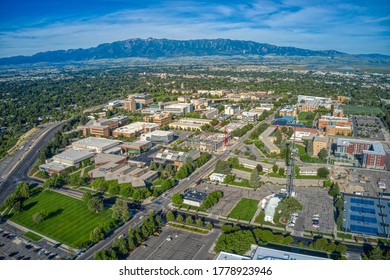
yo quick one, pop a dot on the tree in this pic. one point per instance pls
(189, 220)
(177, 199)
(24, 190)
(222, 167)
(322, 172)
(74, 179)
(179, 218)
(39, 217)
(18, 206)
(281, 171)
(122, 245)
(199, 222)
(126, 190)
(287, 207)
(87, 196)
(120, 210)
(49, 184)
(97, 234)
(99, 184)
(237, 242)
(254, 179)
(169, 216)
(209, 226)
(168, 170)
(229, 178)
(233, 162)
(323, 153)
(275, 168)
(297, 171)
(334, 190)
(95, 204)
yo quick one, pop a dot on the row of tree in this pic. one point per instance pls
(136, 235)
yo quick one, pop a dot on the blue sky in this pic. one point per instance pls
(31, 26)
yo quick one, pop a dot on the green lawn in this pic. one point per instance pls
(69, 221)
(306, 118)
(245, 209)
(361, 110)
(33, 236)
(244, 183)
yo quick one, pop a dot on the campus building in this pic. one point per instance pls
(370, 154)
(130, 104)
(70, 158)
(207, 141)
(158, 136)
(335, 125)
(189, 124)
(268, 144)
(134, 129)
(99, 128)
(97, 145)
(319, 143)
(179, 108)
(160, 119)
(232, 109)
(194, 198)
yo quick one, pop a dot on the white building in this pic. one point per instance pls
(179, 108)
(270, 209)
(72, 157)
(158, 136)
(94, 144)
(232, 109)
(217, 177)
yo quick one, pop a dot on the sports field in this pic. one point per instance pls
(69, 221)
(361, 110)
(245, 209)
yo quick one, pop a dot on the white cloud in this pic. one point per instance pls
(293, 23)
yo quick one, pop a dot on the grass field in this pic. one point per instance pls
(69, 221)
(361, 110)
(244, 183)
(33, 236)
(306, 118)
(245, 209)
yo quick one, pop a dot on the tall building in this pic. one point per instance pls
(370, 154)
(319, 143)
(130, 104)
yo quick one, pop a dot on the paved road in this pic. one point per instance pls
(21, 166)
(199, 173)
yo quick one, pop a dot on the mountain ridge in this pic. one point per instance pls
(156, 48)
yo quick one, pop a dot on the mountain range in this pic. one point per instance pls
(164, 48)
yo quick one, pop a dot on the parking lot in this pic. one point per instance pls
(176, 244)
(367, 127)
(14, 246)
(315, 201)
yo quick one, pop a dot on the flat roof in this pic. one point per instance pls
(135, 127)
(195, 195)
(54, 166)
(366, 215)
(159, 133)
(74, 155)
(375, 147)
(96, 142)
(266, 253)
